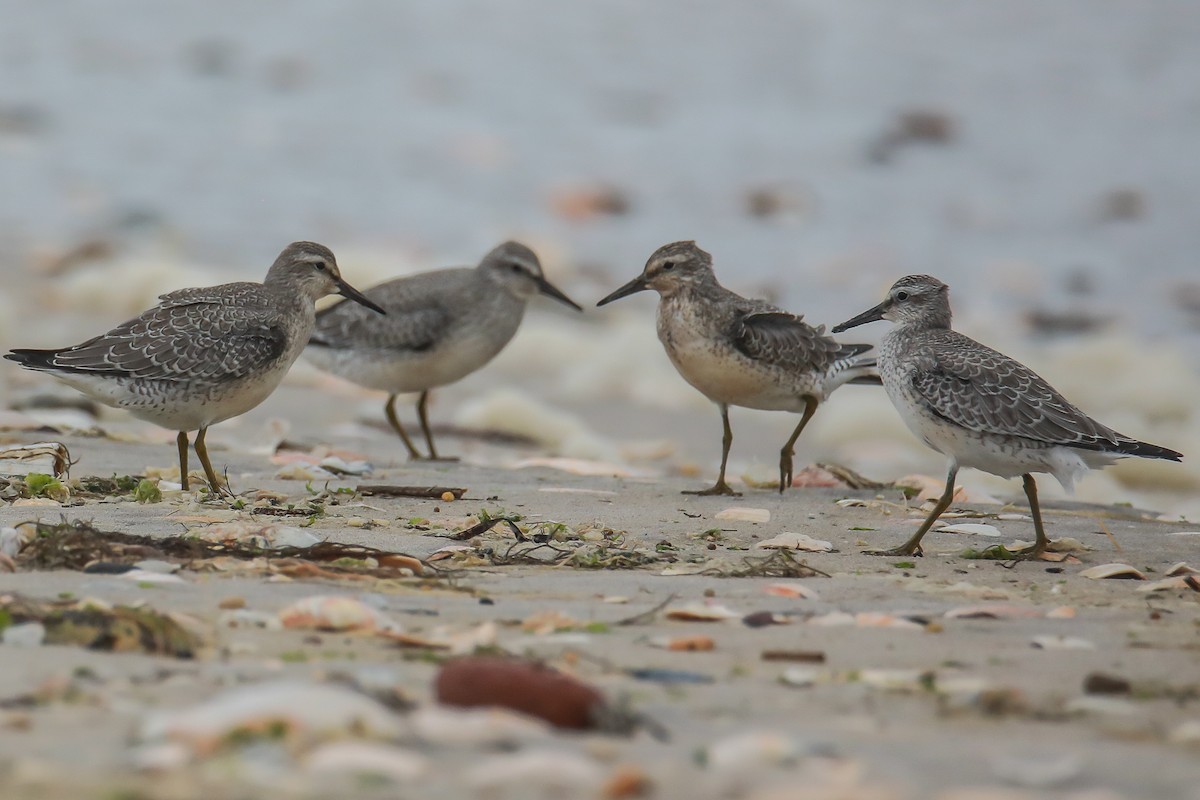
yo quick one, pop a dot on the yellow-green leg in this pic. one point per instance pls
(214, 483)
(785, 455)
(721, 487)
(913, 545)
(181, 441)
(389, 410)
(423, 415)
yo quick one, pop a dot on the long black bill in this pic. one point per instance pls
(550, 290)
(636, 285)
(350, 293)
(870, 315)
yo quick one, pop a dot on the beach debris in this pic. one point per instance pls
(368, 760)
(1061, 612)
(627, 781)
(535, 773)
(431, 492)
(880, 619)
(491, 726)
(527, 687)
(255, 534)
(919, 125)
(701, 612)
(799, 656)
(761, 619)
(668, 676)
(796, 541)
(1181, 568)
(98, 626)
(1176, 582)
(798, 590)
(295, 711)
(993, 611)
(541, 623)
(336, 613)
(751, 751)
(1061, 642)
(779, 564)
(1104, 683)
(973, 528)
(1113, 571)
(48, 458)
(744, 514)
(800, 677)
(684, 644)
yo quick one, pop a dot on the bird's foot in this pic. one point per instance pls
(720, 488)
(436, 459)
(785, 471)
(902, 550)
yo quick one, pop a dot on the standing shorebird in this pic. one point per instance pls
(205, 355)
(980, 408)
(441, 326)
(741, 352)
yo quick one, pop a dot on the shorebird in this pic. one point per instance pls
(203, 355)
(980, 408)
(441, 326)
(742, 352)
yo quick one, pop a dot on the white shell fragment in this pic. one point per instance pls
(303, 709)
(368, 759)
(1059, 642)
(974, 528)
(48, 458)
(336, 613)
(798, 590)
(1122, 571)
(1176, 582)
(701, 612)
(796, 541)
(1182, 568)
(744, 515)
(993, 611)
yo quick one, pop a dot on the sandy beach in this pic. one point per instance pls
(932, 677)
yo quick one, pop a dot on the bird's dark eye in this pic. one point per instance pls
(319, 266)
(668, 265)
(901, 296)
(515, 267)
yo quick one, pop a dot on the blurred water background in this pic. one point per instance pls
(1039, 157)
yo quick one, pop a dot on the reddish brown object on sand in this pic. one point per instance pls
(530, 688)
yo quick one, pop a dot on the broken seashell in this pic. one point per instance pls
(791, 590)
(476, 727)
(753, 751)
(50, 458)
(546, 773)
(1118, 571)
(701, 612)
(1182, 568)
(1061, 612)
(1060, 642)
(744, 515)
(993, 611)
(974, 528)
(800, 677)
(336, 613)
(852, 502)
(368, 759)
(687, 644)
(1176, 582)
(297, 708)
(796, 541)
(875, 619)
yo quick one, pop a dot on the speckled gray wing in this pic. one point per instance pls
(786, 340)
(417, 317)
(982, 390)
(194, 336)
